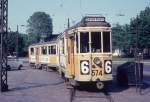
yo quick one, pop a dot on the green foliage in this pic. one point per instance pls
(11, 42)
(121, 37)
(124, 36)
(141, 25)
(25, 43)
(39, 26)
(22, 43)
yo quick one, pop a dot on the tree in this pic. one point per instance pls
(121, 37)
(25, 44)
(22, 43)
(141, 25)
(124, 36)
(39, 26)
(11, 42)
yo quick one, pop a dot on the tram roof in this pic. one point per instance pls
(92, 21)
(49, 40)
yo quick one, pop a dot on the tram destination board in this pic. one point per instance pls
(95, 19)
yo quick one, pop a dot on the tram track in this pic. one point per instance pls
(76, 94)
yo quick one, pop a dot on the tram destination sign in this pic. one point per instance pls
(95, 19)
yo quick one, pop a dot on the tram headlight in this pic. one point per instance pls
(97, 61)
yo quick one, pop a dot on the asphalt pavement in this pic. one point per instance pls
(32, 85)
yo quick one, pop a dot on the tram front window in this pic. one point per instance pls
(96, 42)
(84, 42)
(106, 41)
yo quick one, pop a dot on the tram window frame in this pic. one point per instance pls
(96, 39)
(106, 42)
(32, 51)
(44, 50)
(72, 41)
(53, 49)
(77, 43)
(84, 42)
(49, 50)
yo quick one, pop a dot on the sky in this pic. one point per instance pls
(19, 11)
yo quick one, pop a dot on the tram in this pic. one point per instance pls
(82, 53)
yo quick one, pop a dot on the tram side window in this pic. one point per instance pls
(43, 50)
(63, 47)
(32, 51)
(84, 42)
(77, 42)
(96, 42)
(106, 41)
(53, 49)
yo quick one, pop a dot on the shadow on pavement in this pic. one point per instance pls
(29, 85)
(17, 69)
(145, 89)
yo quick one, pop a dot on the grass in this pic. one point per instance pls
(146, 60)
(114, 58)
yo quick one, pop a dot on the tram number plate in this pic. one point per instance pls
(96, 72)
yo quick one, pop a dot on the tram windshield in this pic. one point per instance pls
(106, 41)
(92, 42)
(84, 42)
(96, 42)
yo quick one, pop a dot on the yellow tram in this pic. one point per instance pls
(83, 52)
(43, 55)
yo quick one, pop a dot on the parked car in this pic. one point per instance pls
(14, 64)
(11, 57)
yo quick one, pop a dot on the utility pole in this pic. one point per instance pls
(17, 34)
(138, 63)
(68, 23)
(3, 44)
